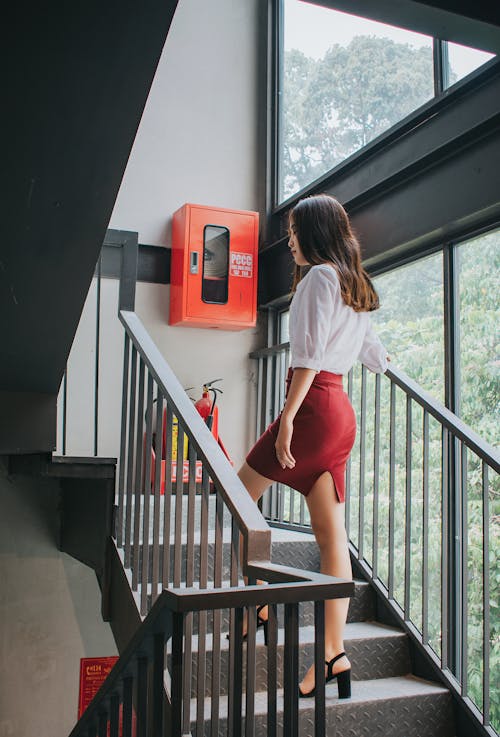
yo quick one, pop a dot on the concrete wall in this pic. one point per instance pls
(199, 141)
(49, 614)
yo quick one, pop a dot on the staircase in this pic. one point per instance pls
(387, 698)
(173, 575)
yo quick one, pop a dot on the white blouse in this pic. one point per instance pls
(325, 333)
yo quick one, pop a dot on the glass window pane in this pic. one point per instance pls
(345, 81)
(215, 264)
(410, 321)
(284, 335)
(479, 287)
(462, 60)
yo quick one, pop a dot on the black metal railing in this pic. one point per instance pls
(155, 690)
(186, 532)
(422, 515)
(88, 388)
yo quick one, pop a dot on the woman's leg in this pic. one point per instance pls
(327, 520)
(255, 483)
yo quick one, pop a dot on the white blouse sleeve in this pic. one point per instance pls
(373, 353)
(314, 316)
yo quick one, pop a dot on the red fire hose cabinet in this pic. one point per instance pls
(213, 275)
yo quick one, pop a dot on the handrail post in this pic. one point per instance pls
(128, 273)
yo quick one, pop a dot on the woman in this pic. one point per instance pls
(308, 445)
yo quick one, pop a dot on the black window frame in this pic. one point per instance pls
(441, 90)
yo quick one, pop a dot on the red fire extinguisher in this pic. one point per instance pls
(207, 407)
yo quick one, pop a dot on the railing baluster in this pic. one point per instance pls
(302, 509)
(146, 491)
(65, 409)
(158, 451)
(408, 467)
(138, 497)
(258, 413)
(445, 447)
(114, 715)
(319, 669)
(202, 616)
(217, 614)
(157, 687)
(97, 354)
(167, 497)
(123, 443)
(102, 730)
(128, 688)
(235, 685)
(235, 643)
(425, 530)
(486, 594)
(179, 491)
(130, 457)
(176, 677)
(251, 671)
(392, 488)
(291, 671)
(272, 671)
(376, 472)
(188, 639)
(142, 696)
(362, 446)
(465, 568)
(348, 473)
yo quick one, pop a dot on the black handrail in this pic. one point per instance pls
(160, 622)
(255, 530)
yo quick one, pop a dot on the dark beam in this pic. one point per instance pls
(77, 77)
(475, 24)
(27, 422)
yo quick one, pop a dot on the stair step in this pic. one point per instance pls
(401, 706)
(375, 651)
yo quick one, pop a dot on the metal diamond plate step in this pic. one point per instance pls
(375, 651)
(403, 706)
(293, 549)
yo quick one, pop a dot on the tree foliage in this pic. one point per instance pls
(335, 105)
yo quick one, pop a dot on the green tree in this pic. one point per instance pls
(335, 105)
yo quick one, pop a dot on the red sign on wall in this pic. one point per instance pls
(93, 673)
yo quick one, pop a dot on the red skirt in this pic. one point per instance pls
(324, 430)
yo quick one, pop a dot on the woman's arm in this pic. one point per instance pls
(302, 379)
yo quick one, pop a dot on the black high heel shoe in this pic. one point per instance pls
(261, 622)
(343, 679)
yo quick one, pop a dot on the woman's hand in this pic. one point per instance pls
(283, 441)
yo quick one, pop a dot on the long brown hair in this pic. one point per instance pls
(325, 235)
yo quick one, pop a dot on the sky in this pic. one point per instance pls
(313, 30)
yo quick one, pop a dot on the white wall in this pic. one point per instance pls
(197, 142)
(49, 614)
(195, 355)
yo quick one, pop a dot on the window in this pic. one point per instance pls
(463, 60)
(344, 80)
(410, 321)
(478, 264)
